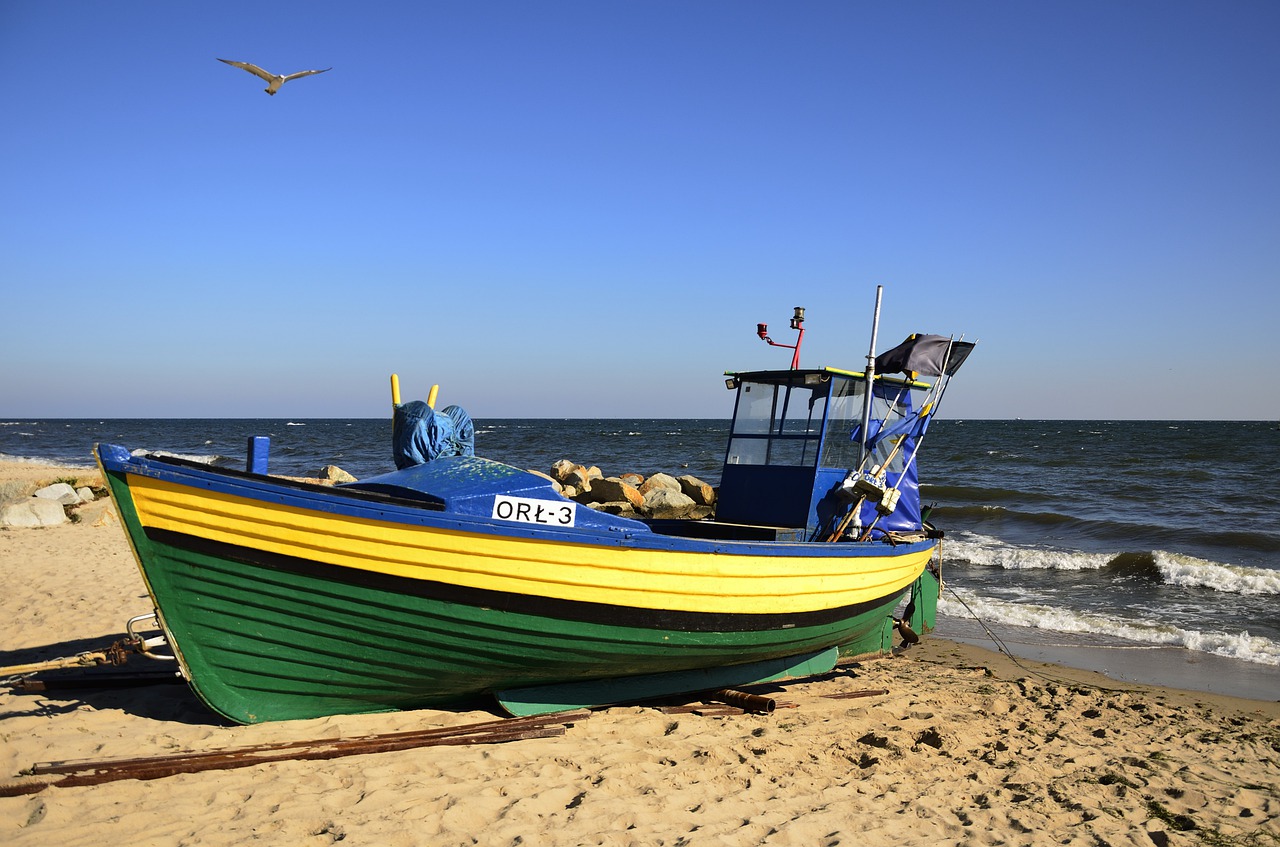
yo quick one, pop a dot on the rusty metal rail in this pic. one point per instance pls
(93, 772)
(744, 700)
(849, 695)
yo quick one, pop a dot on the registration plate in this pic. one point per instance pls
(527, 510)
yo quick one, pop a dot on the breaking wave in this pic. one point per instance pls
(211, 459)
(1242, 645)
(1156, 565)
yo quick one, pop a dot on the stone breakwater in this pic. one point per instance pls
(659, 496)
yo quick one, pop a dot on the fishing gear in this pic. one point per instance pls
(927, 411)
(868, 485)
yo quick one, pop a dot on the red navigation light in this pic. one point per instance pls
(797, 323)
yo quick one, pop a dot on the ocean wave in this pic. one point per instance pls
(969, 515)
(1242, 645)
(1188, 571)
(970, 495)
(990, 552)
(1158, 565)
(1188, 530)
(42, 462)
(210, 459)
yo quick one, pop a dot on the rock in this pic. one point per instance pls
(621, 509)
(663, 502)
(629, 494)
(60, 492)
(574, 476)
(15, 489)
(660, 480)
(85, 493)
(34, 511)
(578, 479)
(335, 474)
(562, 470)
(613, 490)
(697, 491)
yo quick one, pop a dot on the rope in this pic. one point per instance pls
(1001, 647)
(116, 654)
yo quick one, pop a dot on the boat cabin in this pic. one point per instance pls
(795, 436)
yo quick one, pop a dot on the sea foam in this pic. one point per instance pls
(1242, 645)
(1174, 568)
(990, 552)
(1188, 571)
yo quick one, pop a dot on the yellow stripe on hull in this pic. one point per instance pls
(620, 576)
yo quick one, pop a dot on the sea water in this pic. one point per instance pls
(1093, 533)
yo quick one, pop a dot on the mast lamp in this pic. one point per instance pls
(797, 323)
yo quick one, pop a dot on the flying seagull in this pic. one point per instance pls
(274, 81)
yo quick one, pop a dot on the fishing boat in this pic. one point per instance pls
(455, 576)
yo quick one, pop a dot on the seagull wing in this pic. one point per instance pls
(253, 69)
(305, 73)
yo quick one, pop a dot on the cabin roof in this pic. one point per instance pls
(788, 375)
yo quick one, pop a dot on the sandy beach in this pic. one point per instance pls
(964, 745)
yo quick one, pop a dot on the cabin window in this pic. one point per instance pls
(777, 424)
(889, 404)
(840, 450)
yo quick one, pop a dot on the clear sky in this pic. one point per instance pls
(583, 209)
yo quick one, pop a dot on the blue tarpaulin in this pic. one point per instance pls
(420, 434)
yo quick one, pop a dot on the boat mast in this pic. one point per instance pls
(871, 375)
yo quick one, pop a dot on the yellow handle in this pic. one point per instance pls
(431, 398)
(395, 390)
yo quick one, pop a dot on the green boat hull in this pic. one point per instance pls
(268, 637)
(279, 646)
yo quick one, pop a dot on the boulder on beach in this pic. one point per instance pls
(661, 502)
(334, 475)
(697, 490)
(612, 490)
(660, 480)
(59, 492)
(572, 475)
(33, 511)
(659, 496)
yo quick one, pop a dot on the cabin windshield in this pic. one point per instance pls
(778, 423)
(889, 404)
(781, 422)
(840, 450)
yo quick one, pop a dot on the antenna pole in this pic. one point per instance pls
(797, 323)
(871, 375)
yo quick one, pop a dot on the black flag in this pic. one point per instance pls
(924, 354)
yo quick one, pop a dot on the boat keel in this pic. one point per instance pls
(592, 693)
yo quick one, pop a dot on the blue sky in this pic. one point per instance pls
(584, 208)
